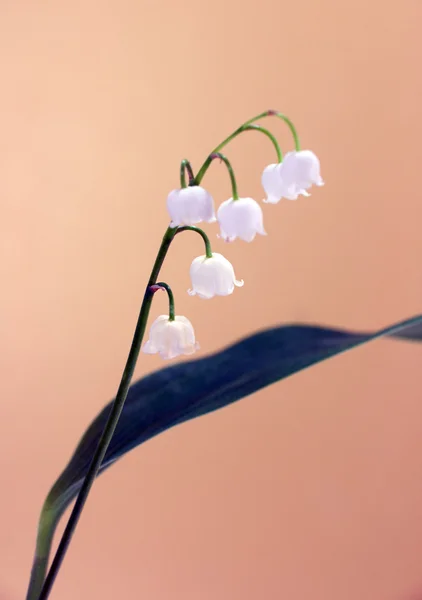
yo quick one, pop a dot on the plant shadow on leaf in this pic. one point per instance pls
(191, 389)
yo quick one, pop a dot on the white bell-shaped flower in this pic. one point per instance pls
(299, 171)
(171, 338)
(212, 276)
(274, 186)
(240, 218)
(190, 205)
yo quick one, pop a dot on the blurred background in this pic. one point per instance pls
(311, 488)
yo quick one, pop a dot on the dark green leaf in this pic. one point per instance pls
(187, 390)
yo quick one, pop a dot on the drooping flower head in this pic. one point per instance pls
(171, 338)
(275, 187)
(241, 218)
(300, 170)
(190, 205)
(213, 276)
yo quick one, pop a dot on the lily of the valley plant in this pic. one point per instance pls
(239, 218)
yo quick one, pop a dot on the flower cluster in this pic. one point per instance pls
(212, 274)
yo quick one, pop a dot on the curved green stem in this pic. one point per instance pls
(112, 421)
(206, 165)
(208, 251)
(163, 286)
(186, 166)
(242, 128)
(269, 135)
(275, 113)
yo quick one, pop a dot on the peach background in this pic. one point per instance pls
(312, 489)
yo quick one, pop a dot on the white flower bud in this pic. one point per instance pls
(240, 218)
(274, 186)
(190, 205)
(171, 338)
(212, 276)
(299, 171)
